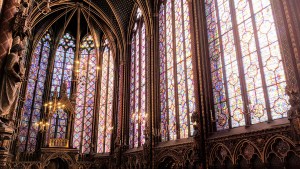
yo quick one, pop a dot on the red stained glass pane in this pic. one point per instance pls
(105, 125)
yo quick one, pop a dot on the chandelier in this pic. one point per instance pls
(42, 125)
(49, 109)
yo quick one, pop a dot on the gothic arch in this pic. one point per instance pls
(278, 146)
(177, 156)
(148, 26)
(34, 166)
(220, 152)
(247, 149)
(167, 162)
(64, 156)
(106, 24)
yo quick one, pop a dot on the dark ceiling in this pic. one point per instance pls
(110, 15)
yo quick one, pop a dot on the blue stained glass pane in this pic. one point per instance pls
(34, 94)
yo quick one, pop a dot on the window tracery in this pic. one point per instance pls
(176, 74)
(86, 93)
(105, 125)
(63, 64)
(34, 94)
(246, 63)
(138, 83)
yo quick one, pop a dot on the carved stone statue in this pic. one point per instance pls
(14, 71)
(294, 112)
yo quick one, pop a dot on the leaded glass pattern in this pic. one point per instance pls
(86, 92)
(63, 64)
(137, 114)
(34, 94)
(176, 73)
(245, 56)
(59, 123)
(105, 125)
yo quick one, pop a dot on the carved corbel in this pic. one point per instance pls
(196, 158)
(294, 112)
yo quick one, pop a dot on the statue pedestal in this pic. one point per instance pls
(5, 141)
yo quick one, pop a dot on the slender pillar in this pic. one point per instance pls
(118, 139)
(120, 109)
(77, 50)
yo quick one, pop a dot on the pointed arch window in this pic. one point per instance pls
(34, 94)
(62, 73)
(176, 74)
(63, 64)
(105, 125)
(247, 73)
(138, 83)
(86, 92)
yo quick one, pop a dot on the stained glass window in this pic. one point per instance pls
(176, 74)
(105, 125)
(34, 94)
(62, 73)
(138, 83)
(63, 64)
(246, 63)
(58, 125)
(85, 99)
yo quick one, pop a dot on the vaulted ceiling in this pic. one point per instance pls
(110, 17)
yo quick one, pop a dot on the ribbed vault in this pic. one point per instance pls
(106, 17)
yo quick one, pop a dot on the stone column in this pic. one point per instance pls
(118, 140)
(7, 16)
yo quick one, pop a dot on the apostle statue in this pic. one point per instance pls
(10, 83)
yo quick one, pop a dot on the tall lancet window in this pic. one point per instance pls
(85, 100)
(62, 73)
(63, 64)
(247, 73)
(176, 73)
(106, 99)
(34, 94)
(138, 83)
